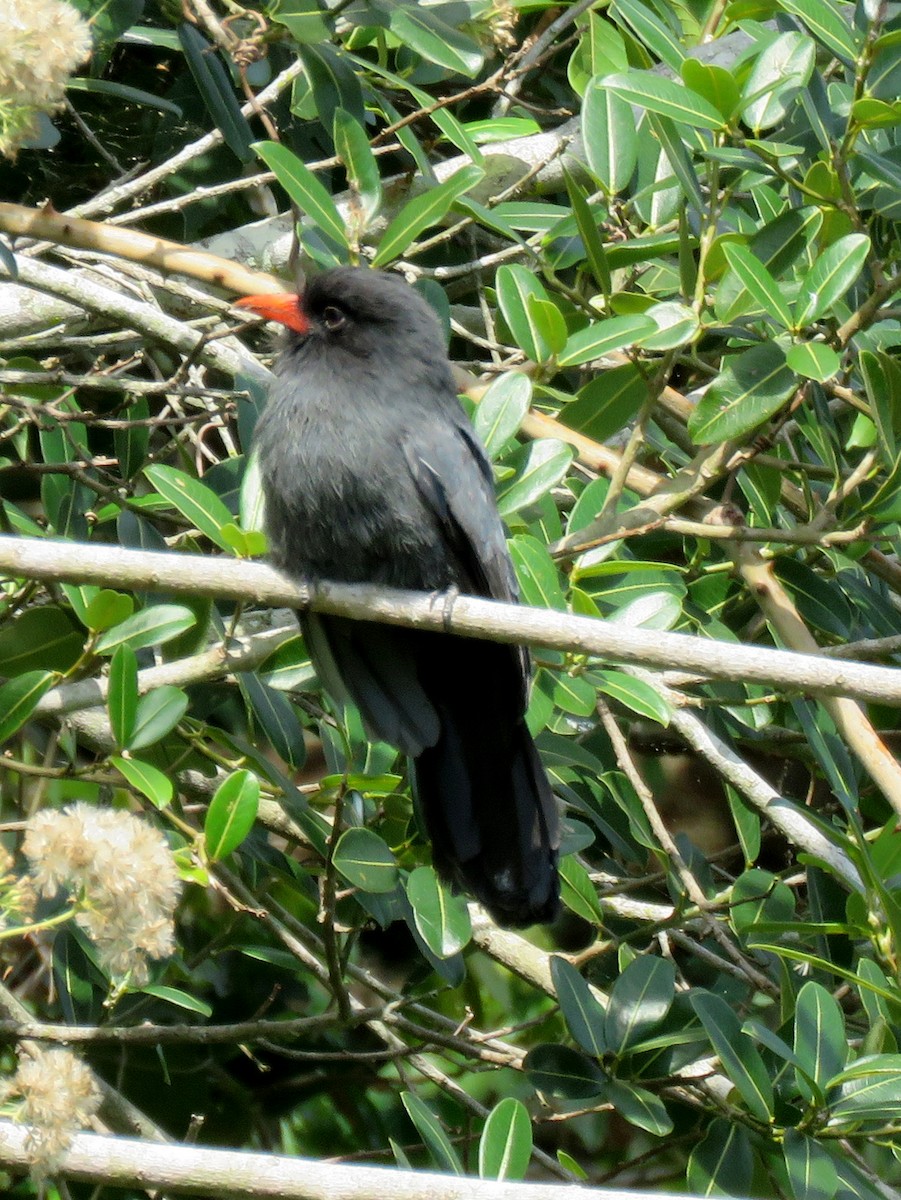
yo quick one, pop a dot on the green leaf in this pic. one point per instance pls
(515, 287)
(675, 325)
(19, 698)
(122, 695)
(609, 136)
(365, 860)
(39, 639)
(157, 714)
(133, 442)
(276, 718)
(821, 1045)
(639, 1001)
(106, 609)
(737, 1053)
(581, 1010)
(758, 282)
(216, 90)
(882, 380)
(578, 893)
(430, 1130)
(544, 464)
(145, 779)
(423, 31)
(602, 337)
(193, 499)
(831, 276)
(333, 82)
(587, 223)
(755, 385)
(424, 211)
(607, 403)
(177, 997)
(564, 1072)
(814, 360)
(870, 1090)
(665, 97)
(811, 1171)
(150, 627)
(121, 91)
(505, 1146)
(501, 411)
(547, 320)
(828, 23)
(442, 918)
(779, 72)
(640, 1107)
(305, 190)
(539, 579)
(723, 1163)
(635, 694)
(714, 83)
(231, 814)
(352, 147)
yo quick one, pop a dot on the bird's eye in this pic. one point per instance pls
(333, 318)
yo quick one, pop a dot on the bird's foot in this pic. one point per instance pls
(447, 599)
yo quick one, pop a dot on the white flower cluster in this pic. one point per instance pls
(41, 44)
(122, 876)
(58, 1096)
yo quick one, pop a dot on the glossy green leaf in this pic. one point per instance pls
(607, 403)
(305, 190)
(422, 212)
(441, 917)
(505, 1146)
(146, 779)
(602, 337)
(758, 282)
(539, 578)
(195, 501)
(608, 133)
(133, 442)
(544, 464)
(676, 160)
(821, 1045)
(564, 1072)
(723, 1162)
(231, 814)
(675, 325)
(18, 699)
(635, 694)
(640, 1107)
(811, 1171)
(432, 1133)
(515, 286)
(752, 388)
(423, 31)
(157, 713)
(664, 96)
(882, 380)
(870, 1090)
(831, 276)
(639, 1001)
(277, 720)
(352, 147)
(152, 626)
(122, 695)
(365, 860)
(578, 893)
(780, 71)
(39, 639)
(829, 24)
(714, 83)
(588, 225)
(813, 360)
(651, 32)
(548, 322)
(581, 1010)
(216, 90)
(501, 411)
(177, 997)
(333, 82)
(106, 609)
(738, 1055)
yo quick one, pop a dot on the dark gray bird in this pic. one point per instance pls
(373, 474)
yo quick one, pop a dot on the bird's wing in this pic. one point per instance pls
(456, 484)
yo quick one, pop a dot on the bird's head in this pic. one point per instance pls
(359, 310)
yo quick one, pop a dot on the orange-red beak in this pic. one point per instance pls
(283, 307)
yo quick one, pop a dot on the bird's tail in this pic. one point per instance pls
(491, 816)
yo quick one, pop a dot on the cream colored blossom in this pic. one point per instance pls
(122, 875)
(41, 43)
(58, 1095)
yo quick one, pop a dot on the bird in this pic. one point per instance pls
(372, 473)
